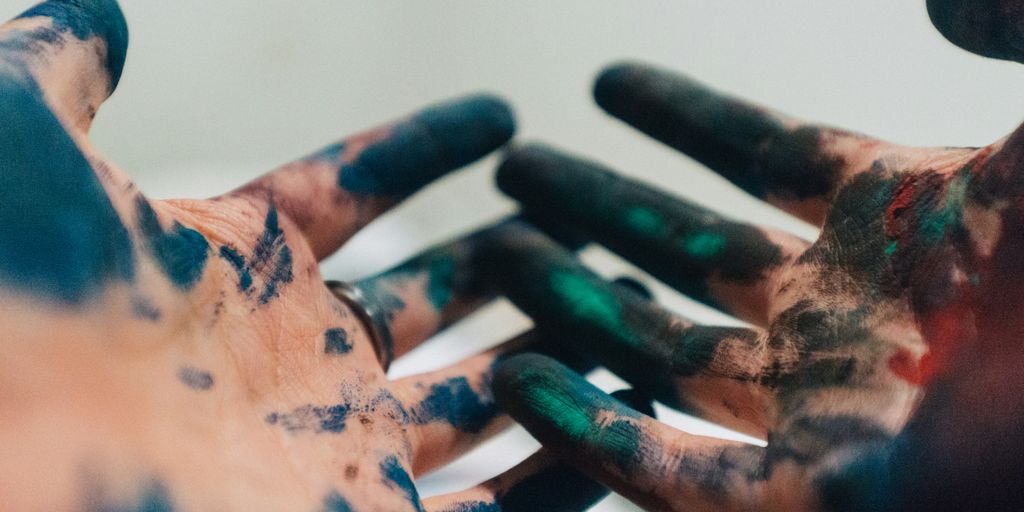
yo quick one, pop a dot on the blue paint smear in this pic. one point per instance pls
(155, 498)
(273, 257)
(237, 261)
(195, 378)
(397, 478)
(181, 253)
(88, 18)
(271, 261)
(335, 502)
(336, 341)
(476, 506)
(431, 143)
(145, 310)
(62, 237)
(315, 418)
(455, 401)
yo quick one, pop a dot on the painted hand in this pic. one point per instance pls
(186, 354)
(883, 362)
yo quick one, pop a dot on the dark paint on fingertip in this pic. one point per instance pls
(740, 141)
(88, 18)
(989, 28)
(431, 143)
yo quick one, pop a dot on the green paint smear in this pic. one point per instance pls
(935, 225)
(645, 221)
(588, 302)
(704, 245)
(441, 277)
(570, 406)
(554, 405)
(891, 248)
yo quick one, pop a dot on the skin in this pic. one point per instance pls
(186, 354)
(882, 364)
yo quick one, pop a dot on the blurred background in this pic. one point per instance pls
(218, 92)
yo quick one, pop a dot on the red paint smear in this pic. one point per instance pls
(945, 333)
(902, 363)
(904, 198)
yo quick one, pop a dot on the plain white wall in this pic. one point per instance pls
(217, 91)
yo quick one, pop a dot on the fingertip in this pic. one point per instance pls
(983, 28)
(88, 18)
(617, 83)
(529, 385)
(471, 126)
(614, 79)
(431, 143)
(523, 166)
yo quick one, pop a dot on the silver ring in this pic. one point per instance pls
(373, 319)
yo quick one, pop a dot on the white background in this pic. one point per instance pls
(218, 91)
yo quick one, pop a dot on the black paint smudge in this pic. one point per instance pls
(195, 378)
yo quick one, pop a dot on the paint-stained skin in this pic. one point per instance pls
(269, 268)
(196, 338)
(69, 243)
(986, 27)
(755, 150)
(154, 497)
(335, 502)
(86, 19)
(456, 402)
(876, 353)
(237, 262)
(474, 506)
(181, 252)
(195, 378)
(312, 418)
(443, 282)
(410, 162)
(336, 341)
(682, 244)
(396, 477)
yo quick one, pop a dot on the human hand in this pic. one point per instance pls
(883, 363)
(186, 354)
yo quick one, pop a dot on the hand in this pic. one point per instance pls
(883, 362)
(186, 354)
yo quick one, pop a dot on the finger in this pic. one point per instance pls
(429, 292)
(713, 372)
(331, 194)
(540, 482)
(73, 50)
(736, 267)
(453, 406)
(654, 465)
(988, 28)
(795, 166)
